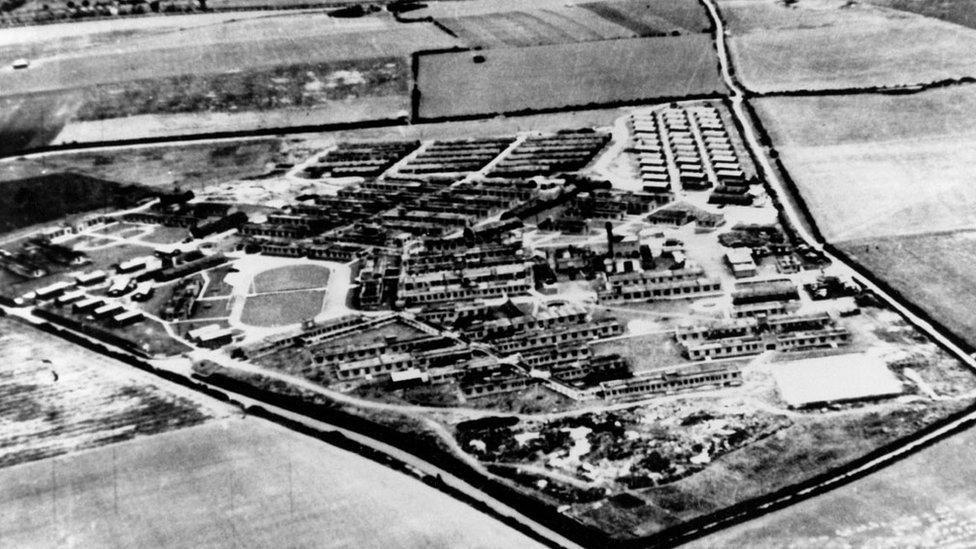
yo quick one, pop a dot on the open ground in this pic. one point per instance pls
(879, 165)
(232, 483)
(59, 398)
(927, 500)
(832, 44)
(514, 79)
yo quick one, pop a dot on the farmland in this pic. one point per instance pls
(933, 269)
(238, 482)
(582, 22)
(515, 79)
(188, 165)
(175, 53)
(246, 74)
(535, 27)
(685, 15)
(826, 44)
(876, 165)
(58, 398)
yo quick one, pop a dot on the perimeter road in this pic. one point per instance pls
(413, 461)
(772, 178)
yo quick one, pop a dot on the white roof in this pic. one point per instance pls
(56, 287)
(120, 283)
(134, 262)
(91, 276)
(739, 255)
(408, 375)
(835, 378)
(108, 307)
(200, 332)
(125, 315)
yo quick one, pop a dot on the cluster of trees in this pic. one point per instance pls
(93, 8)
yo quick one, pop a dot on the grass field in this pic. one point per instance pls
(567, 75)
(926, 500)
(588, 21)
(875, 165)
(962, 12)
(686, 15)
(821, 44)
(25, 202)
(264, 44)
(239, 73)
(281, 309)
(239, 99)
(233, 483)
(56, 398)
(536, 27)
(293, 277)
(187, 165)
(932, 270)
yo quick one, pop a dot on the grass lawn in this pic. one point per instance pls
(282, 309)
(293, 277)
(166, 235)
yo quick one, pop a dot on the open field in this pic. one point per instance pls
(281, 309)
(821, 44)
(293, 277)
(234, 483)
(242, 99)
(538, 27)
(26, 202)
(927, 500)
(566, 75)
(218, 51)
(187, 165)
(246, 69)
(876, 165)
(932, 270)
(341, 111)
(588, 21)
(961, 12)
(634, 14)
(58, 398)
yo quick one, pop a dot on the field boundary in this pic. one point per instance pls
(284, 131)
(534, 509)
(796, 197)
(334, 438)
